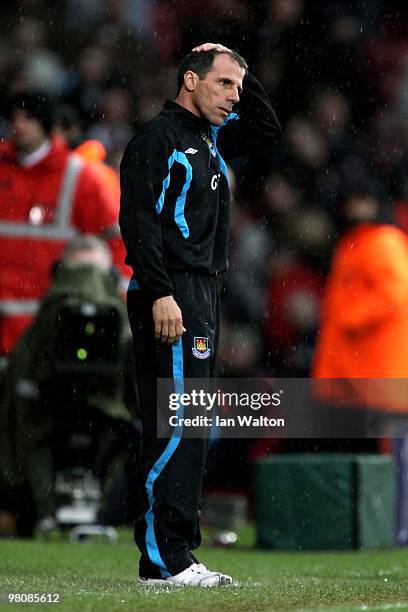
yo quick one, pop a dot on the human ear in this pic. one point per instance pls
(190, 80)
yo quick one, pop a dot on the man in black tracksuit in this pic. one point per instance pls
(174, 220)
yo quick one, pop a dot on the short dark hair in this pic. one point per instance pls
(201, 63)
(38, 104)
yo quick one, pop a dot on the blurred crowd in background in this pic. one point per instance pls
(337, 73)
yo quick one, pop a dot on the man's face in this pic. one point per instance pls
(215, 95)
(27, 132)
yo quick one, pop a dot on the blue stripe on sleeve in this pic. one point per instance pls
(180, 157)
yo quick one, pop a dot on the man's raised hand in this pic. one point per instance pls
(210, 46)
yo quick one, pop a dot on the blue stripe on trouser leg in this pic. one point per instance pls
(158, 467)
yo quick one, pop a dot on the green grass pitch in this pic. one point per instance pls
(97, 576)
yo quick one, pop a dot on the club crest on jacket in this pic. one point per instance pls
(201, 349)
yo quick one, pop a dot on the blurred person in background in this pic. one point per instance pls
(40, 66)
(345, 167)
(68, 125)
(331, 113)
(280, 200)
(300, 233)
(47, 195)
(250, 242)
(306, 154)
(293, 295)
(93, 72)
(81, 339)
(114, 129)
(351, 105)
(363, 331)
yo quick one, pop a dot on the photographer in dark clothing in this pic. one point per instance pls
(66, 376)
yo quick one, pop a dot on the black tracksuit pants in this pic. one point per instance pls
(168, 530)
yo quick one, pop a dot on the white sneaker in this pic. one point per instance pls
(195, 575)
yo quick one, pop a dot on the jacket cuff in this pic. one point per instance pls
(156, 295)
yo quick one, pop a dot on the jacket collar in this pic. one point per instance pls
(54, 157)
(31, 159)
(185, 117)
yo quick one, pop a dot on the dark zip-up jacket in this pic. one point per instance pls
(174, 212)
